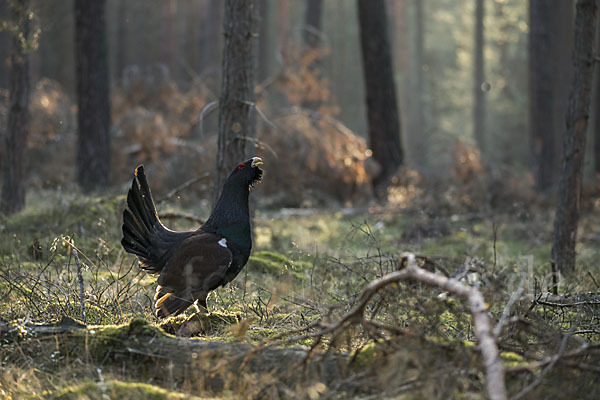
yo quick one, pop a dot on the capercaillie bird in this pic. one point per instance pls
(191, 264)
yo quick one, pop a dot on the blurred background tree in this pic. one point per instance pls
(164, 69)
(23, 42)
(237, 111)
(93, 104)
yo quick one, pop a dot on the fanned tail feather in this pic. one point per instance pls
(143, 233)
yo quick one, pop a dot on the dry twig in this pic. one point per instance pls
(80, 277)
(488, 347)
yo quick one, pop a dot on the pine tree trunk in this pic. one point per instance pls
(562, 31)
(13, 188)
(93, 114)
(237, 116)
(596, 113)
(4, 44)
(541, 92)
(567, 210)
(382, 109)
(479, 78)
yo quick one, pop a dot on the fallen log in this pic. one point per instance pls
(147, 351)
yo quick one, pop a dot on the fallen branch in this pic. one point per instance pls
(483, 325)
(219, 365)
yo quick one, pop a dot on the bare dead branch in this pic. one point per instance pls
(563, 305)
(80, 278)
(514, 297)
(483, 326)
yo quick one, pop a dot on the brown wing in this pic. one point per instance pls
(197, 266)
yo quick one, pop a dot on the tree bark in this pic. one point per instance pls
(93, 114)
(237, 118)
(596, 113)
(541, 92)
(13, 188)
(567, 210)
(382, 109)
(479, 80)
(562, 31)
(4, 44)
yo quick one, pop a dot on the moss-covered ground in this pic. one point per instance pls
(306, 266)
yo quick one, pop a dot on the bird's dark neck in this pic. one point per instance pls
(231, 217)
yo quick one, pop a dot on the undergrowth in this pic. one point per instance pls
(305, 268)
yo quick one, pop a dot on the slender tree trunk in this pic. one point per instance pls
(13, 188)
(237, 118)
(596, 113)
(400, 34)
(382, 109)
(562, 31)
(479, 93)
(541, 92)
(4, 44)
(93, 114)
(567, 210)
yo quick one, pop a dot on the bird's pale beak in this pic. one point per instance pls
(256, 161)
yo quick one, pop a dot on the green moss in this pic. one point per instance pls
(117, 390)
(511, 359)
(268, 262)
(200, 323)
(101, 338)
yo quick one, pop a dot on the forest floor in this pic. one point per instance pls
(266, 334)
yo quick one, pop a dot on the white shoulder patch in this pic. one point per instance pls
(223, 242)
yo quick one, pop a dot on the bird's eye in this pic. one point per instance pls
(242, 165)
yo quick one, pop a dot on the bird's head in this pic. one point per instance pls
(247, 172)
